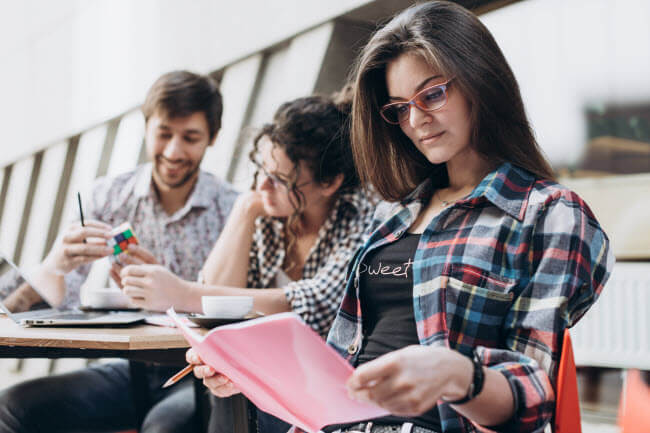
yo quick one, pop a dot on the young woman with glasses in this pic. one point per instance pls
(499, 258)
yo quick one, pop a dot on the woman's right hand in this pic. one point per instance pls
(70, 251)
(249, 204)
(218, 384)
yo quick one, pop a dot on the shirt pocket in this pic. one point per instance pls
(476, 304)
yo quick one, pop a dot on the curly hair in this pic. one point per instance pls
(313, 130)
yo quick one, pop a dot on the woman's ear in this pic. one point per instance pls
(330, 188)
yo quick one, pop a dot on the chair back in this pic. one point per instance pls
(567, 403)
(634, 414)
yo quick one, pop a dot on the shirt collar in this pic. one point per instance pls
(507, 187)
(199, 196)
(142, 187)
(356, 198)
(203, 191)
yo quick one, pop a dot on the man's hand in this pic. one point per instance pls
(154, 287)
(24, 298)
(218, 384)
(409, 381)
(70, 251)
(137, 255)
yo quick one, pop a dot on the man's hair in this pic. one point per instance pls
(452, 40)
(183, 93)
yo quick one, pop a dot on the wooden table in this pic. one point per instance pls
(138, 344)
(141, 342)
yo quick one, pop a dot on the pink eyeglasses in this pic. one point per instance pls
(430, 99)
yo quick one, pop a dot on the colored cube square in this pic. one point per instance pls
(123, 235)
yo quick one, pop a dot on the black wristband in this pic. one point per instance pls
(478, 379)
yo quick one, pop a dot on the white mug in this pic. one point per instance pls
(227, 307)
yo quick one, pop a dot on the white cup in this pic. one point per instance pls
(107, 298)
(227, 307)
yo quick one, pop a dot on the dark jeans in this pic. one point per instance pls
(221, 418)
(270, 424)
(97, 399)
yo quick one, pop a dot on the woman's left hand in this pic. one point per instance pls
(218, 384)
(410, 381)
(154, 287)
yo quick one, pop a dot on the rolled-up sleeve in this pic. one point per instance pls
(570, 261)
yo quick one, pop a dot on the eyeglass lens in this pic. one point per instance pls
(429, 99)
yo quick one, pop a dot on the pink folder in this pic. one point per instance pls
(284, 368)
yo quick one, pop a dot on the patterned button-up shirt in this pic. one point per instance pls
(505, 270)
(317, 296)
(181, 242)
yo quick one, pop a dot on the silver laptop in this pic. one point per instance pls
(25, 304)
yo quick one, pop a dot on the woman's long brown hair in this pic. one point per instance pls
(452, 40)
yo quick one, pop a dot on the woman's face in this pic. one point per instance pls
(272, 180)
(440, 135)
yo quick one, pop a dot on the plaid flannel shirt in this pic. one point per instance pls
(317, 296)
(505, 270)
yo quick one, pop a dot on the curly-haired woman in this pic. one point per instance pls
(293, 234)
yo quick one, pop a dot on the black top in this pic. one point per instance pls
(386, 295)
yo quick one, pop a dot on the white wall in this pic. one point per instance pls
(71, 64)
(571, 54)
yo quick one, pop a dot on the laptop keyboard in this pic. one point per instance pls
(77, 316)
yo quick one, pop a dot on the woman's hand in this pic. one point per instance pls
(249, 205)
(77, 246)
(154, 287)
(218, 384)
(410, 381)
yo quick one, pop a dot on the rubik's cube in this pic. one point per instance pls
(123, 235)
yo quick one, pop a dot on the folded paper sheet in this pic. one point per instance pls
(284, 368)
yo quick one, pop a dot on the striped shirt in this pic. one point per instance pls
(317, 295)
(504, 270)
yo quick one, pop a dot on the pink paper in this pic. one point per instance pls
(284, 368)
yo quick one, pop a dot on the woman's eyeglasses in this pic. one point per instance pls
(275, 180)
(430, 99)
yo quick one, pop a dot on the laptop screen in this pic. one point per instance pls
(16, 295)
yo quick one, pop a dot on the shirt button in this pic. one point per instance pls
(352, 349)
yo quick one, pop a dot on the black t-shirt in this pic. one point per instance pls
(386, 295)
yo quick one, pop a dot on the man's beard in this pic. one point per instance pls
(188, 176)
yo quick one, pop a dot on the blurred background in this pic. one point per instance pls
(74, 73)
